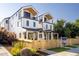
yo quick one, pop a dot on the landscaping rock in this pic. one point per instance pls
(26, 52)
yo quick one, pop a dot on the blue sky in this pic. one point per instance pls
(69, 12)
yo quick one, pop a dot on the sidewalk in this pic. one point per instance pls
(4, 52)
(72, 52)
(48, 51)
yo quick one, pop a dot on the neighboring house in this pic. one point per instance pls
(28, 25)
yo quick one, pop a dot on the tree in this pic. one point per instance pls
(6, 37)
(59, 27)
(68, 29)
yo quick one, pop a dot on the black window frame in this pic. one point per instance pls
(34, 24)
(27, 15)
(27, 23)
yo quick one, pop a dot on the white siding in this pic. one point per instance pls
(30, 23)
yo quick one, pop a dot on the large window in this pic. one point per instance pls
(40, 35)
(6, 21)
(18, 24)
(50, 27)
(45, 19)
(46, 26)
(27, 23)
(27, 15)
(19, 35)
(34, 24)
(30, 36)
(24, 35)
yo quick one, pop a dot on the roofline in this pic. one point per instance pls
(31, 7)
(23, 7)
(4, 19)
(45, 14)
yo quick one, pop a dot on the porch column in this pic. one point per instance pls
(27, 34)
(38, 36)
(51, 35)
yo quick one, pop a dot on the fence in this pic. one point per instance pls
(45, 44)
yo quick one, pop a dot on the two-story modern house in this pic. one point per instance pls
(28, 25)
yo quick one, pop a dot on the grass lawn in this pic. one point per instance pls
(59, 49)
(73, 46)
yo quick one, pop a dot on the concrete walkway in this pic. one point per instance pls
(4, 52)
(48, 51)
(72, 52)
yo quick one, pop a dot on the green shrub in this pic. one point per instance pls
(33, 50)
(15, 51)
(19, 44)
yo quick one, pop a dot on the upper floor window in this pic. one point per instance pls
(6, 21)
(18, 24)
(27, 15)
(40, 20)
(34, 24)
(33, 18)
(45, 19)
(27, 23)
(46, 26)
(50, 27)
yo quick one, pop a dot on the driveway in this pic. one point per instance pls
(4, 52)
(72, 52)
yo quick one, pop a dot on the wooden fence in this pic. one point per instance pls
(45, 44)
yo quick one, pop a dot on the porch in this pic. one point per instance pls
(35, 35)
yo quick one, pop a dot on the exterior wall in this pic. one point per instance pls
(30, 23)
(13, 26)
(49, 28)
(4, 24)
(17, 22)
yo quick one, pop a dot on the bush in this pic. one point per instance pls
(15, 51)
(7, 37)
(19, 44)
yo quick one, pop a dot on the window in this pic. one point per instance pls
(24, 35)
(34, 24)
(6, 21)
(46, 26)
(27, 15)
(33, 18)
(40, 20)
(50, 27)
(27, 23)
(30, 36)
(17, 24)
(19, 35)
(45, 19)
(40, 35)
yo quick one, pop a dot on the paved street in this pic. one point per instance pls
(4, 52)
(72, 52)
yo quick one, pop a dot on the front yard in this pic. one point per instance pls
(60, 49)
